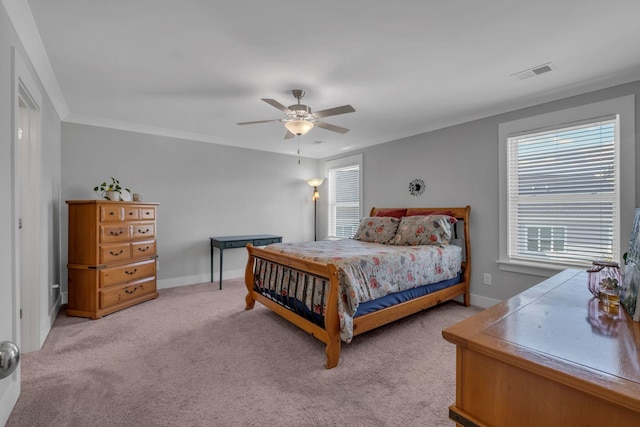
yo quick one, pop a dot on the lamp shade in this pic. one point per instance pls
(315, 182)
(298, 126)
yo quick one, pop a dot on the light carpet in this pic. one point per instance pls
(195, 357)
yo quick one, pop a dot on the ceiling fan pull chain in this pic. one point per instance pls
(298, 149)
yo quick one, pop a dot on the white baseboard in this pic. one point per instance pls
(53, 313)
(46, 327)
(483, 302)
(174, 282)
(477, 300)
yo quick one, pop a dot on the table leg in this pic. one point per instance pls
(211, 263)
(220, 268)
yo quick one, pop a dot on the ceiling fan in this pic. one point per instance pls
(300, 119)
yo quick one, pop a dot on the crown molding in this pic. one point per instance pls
(25, 26)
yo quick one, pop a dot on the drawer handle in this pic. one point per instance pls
(116, 233)
(143, 250)
(116, 254)
(144, 232)
(135, 270)
(130, 291)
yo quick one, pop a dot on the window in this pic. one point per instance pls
(562, 195)
(545, 239)
(564, 179)
(344, 179)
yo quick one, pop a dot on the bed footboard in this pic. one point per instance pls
(303, 292)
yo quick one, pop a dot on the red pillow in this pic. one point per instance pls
(394, 213)
(426, 211)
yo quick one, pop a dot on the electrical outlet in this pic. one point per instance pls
(487, 279)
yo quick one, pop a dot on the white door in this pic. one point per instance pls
(19, 251)
(9, 267)
(9, 291)
(9, 386)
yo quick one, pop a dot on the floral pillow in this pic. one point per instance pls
(424, 230)
(377, 229)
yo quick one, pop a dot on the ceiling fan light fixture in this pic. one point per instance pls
(298, 126)
(299, 118)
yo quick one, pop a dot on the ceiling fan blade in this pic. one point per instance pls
(259, 121)
(276, 104)
(331, 127)
(334, 111)
(288, 135)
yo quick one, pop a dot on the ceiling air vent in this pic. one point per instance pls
(532, 72)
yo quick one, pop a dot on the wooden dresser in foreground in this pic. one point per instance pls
(112, 256)
(550, 356)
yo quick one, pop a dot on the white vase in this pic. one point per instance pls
(112, 195)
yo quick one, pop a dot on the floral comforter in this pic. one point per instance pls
(371, 270)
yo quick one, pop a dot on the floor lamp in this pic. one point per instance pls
(315, 183)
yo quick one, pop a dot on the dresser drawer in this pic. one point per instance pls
(147, 213)
(265, 242)
(115, 252)
(114, 233)
(127, 273)
(111, 213)
(141, 249)
(144, 230)
(131, 213)
(119, 294)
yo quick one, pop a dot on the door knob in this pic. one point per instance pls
(9, 358)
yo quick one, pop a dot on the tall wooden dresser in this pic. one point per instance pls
(112, 256)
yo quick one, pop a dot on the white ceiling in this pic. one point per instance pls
(193, 68)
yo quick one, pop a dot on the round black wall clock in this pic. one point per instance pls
(416, 187)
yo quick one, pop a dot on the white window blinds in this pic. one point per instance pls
(563, 194)
(344, 200)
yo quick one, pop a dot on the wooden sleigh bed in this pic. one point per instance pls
(308, 293)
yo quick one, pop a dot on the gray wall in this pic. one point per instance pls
(203, 189)
(459, 164)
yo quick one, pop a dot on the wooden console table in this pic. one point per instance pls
(226, 242)
(550, 356)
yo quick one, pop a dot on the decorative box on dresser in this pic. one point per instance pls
(112, 256)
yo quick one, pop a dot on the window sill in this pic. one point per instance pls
(531, 268)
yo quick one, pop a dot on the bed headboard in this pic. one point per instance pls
(461, 214)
